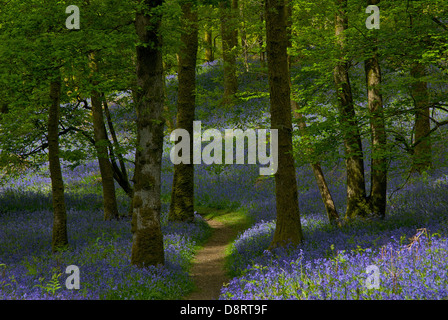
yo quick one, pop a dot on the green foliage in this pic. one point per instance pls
(52, 285)
(408, 34)
(34, 42)
(3, 282)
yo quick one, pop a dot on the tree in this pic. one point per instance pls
(356, 193)
(378, 191)
(120, 173)
(209, 49)
(288, 227)
(229, 50)
(419, 92)
(182, 195)
(147, 242)
(101, 146)
(32, 60)
(415, 49)
(59, 235)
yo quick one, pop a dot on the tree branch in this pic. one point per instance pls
(440, 23)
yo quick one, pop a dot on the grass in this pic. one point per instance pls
(237, 219)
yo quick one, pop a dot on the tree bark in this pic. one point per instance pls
(378, 191)
(120, 173)
(288, 227)
(356, 193)
(59, 236)
(101, 146)
(208, 39)
(422, 159)
(182, 195)
(147, 240)
(228, 51)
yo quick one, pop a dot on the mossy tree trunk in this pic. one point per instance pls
(209, 50)
(378, 191)
(421, 158)
(147, 241)
(356, 193)
(59, 236)
(182, 195)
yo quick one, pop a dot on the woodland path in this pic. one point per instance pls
(208, 269)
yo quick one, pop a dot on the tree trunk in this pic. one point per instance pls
(59, 237)
(422, 159)
(325, 194)
(208, 36)
(378, 191)
(288, 227)
(101, 146)
(356, 194)
(228, 51)
(147, 240)
(182, 195)
(120, 173)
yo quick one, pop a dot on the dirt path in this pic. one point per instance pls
(208, 266)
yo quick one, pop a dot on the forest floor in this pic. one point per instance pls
(208, 270)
